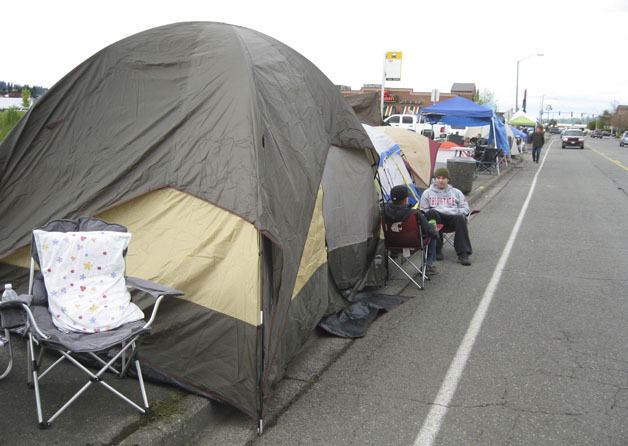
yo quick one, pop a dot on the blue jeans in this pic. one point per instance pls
(536, 152)
(431, 252)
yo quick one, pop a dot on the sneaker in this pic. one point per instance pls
(464, 259)
(432, 270)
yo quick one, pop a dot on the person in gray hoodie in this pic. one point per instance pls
(448, 206)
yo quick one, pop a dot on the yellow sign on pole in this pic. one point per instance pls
(392, 66)
(393, 55)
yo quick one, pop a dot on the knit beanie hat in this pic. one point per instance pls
(398, 193)
(441, 172)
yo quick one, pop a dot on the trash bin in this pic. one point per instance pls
(461, 173)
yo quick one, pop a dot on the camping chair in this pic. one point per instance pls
(112, 350)
(406, 238)
(448, 234)
(489, 161)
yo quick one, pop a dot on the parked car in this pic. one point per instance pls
(573, 138)
(623, 141)
(411, 122)
(428, 133)
(606, 133)
(596, 134)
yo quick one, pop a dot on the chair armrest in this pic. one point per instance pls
(154, 289)
(12, 314)
(17, 302)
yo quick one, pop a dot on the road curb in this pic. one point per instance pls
(178, 429)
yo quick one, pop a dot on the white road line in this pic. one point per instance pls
(432, 424)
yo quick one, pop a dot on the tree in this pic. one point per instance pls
(614, 105)
(486, 97)
(26, 97)
(603, 120)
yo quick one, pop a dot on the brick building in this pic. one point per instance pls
(406, 100)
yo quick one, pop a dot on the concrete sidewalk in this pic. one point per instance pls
(177, 418)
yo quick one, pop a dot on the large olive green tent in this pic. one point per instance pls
(209, 142)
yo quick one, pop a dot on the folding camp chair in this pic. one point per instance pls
(406, 238)
(489, 161)
(113, 350)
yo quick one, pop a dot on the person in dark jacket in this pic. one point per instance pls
(537, 143)
(398, 210)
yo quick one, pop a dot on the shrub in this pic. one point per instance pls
(8, 119)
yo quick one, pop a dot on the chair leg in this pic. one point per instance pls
(70, 401)
(5, 341)
(29, 367)
(34, 366)
(93, 378)
(140, 378)
(123, 361)
(405, 273)
(423, 268)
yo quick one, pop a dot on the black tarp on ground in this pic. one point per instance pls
(353, 321)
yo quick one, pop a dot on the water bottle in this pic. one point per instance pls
(9, 293)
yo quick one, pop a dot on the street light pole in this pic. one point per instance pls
(517, 88)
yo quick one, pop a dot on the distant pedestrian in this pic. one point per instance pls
(538, 140)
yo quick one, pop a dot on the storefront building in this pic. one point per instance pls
(408, 101)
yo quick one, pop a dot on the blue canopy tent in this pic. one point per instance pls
(518, 133)
(500, 135)
(461, 112)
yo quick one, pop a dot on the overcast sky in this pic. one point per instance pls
(583, 70)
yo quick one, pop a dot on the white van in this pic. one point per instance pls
(404, 121)
(411, 122)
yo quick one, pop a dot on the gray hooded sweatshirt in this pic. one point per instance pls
(448, 201)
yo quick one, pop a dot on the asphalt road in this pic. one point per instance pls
(549, 364)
